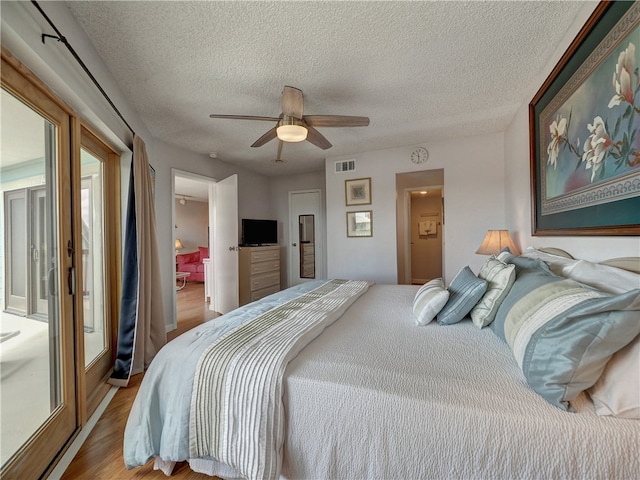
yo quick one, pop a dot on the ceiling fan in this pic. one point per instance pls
(293, 126)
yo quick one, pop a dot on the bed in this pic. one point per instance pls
(374, 388)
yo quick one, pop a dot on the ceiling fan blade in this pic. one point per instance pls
(267, 137)
(279, 156)
(315, 137)
(245, 117)
(292, 103)
(335, 121)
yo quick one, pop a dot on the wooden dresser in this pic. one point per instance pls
(259, 272)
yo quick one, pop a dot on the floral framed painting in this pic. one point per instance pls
(357, 191)
(585, 131)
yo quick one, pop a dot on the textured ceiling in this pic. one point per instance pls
(419, 70)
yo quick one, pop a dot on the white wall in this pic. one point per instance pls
(517, 186)
(191, 224)
(473, 197)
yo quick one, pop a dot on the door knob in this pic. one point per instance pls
(294, 244)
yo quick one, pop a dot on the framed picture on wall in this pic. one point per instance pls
(358, 191)
(585, 131)
(360, 224)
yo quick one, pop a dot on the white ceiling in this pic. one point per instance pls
(421, 70)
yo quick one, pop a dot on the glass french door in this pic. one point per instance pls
(60, 274)
(38, 402)
(98, 233)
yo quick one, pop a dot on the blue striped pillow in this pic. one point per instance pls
(562, 333)
(464, 292)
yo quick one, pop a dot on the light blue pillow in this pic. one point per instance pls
(429, 300)
(464, 292)
(530, 273)
(562, 333)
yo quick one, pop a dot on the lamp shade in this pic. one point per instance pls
(495, 241)
(291, 129)
(179, 245)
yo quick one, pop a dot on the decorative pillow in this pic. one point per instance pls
(603, 277)
(617, 391)
(464, 292)
(562, 333)
(429, 300)
(500, 277)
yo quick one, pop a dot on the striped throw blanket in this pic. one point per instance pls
(237, 416)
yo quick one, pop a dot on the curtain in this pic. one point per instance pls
(141, 331)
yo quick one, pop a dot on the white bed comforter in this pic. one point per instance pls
(375, 396)
(378, 397)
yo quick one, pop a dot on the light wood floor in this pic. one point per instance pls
(101, 455)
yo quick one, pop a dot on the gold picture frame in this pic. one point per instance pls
(357, 191)
(585, 168)
(360, 223)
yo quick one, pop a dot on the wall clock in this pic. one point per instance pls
(419, 155)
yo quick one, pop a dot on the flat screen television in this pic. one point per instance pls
(259, 232)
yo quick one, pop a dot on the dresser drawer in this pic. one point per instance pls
(263, 267)
(265, 280)
(258, 294)
(265, 255)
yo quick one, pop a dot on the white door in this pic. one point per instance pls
(305, 236)
(225, 244)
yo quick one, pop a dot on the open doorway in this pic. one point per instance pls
(424, 256)
(420, 221)
(191, 215)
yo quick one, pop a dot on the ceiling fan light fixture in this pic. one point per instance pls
(290, 129)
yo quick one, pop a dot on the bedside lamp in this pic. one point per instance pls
(179, 246)
(495, 241)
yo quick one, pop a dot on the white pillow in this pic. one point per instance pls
(603, 277)
(617, 391)
(429, 300)
(555, 262)
(500, 277)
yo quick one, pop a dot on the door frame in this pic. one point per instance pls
(407, 227)
(293, 270)
(93, 386)
(175, 172)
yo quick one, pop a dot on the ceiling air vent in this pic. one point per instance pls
(345, 166)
